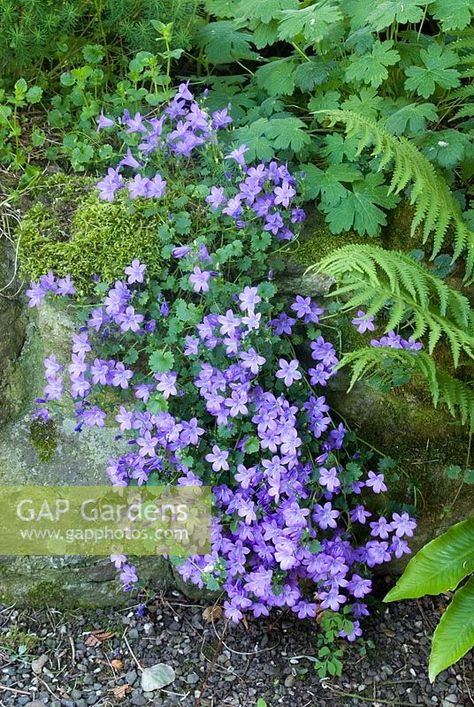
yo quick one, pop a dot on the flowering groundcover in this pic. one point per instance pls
(210, 387)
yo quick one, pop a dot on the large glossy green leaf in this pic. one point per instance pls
(439, 566)
(454, 635)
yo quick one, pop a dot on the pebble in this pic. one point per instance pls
(131, 677)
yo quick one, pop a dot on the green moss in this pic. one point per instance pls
(44, 438)
(317, 241)
(71, 232)
(44, 594)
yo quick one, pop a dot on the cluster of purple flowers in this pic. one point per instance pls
(37, 291)
(182, 127)
(264, 194)
(364, 322)
(279, 488)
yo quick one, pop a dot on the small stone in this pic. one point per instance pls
(131, 677)
(289, 681)
(38, 664)
(133, 633)
(192, 678)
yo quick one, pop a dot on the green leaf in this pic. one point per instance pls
(254, 136)
(252, 445)
(314, 22)
(20, 89)
(155, 405)
(455, 14)
(277, 77)
(329, 100)
(93, 53)
(264, 136)
(447, 147)
(131, 356)
(67, 79)
(436, 71)
(263, 10)
(439, 566)
(161, 361)
(182, 222)
(224, 43)
(401, 11)
(187, 312)
(469, 476)
(367, 103)
(413, 116)
(328, 182)
(454, 635)
(371, 67)
(263, 34)
(453, 471)
(311, 73)
(34, 94)
(288, 133)
(337, 148)
(359, 208)
(222, 8)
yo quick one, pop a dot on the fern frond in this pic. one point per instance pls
(367, 275)
(435, 206)
(455, 394)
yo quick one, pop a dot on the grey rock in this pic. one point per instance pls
(38, 664)
(131, 677)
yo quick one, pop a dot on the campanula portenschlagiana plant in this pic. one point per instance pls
(211, 387)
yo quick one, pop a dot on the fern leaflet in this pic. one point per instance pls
(370, 276)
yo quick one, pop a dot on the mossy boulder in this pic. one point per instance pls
(422, 440)
(73, 582)
(54, 455)
(70, 231)
(12, 327)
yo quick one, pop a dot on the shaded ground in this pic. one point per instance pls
(215, 665)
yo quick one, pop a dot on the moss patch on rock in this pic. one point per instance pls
(316, 241)
(44, 438)
(68, 230)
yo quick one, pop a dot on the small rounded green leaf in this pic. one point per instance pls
(439, 566)
(454, 635)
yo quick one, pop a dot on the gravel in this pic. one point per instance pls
(219, 666)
